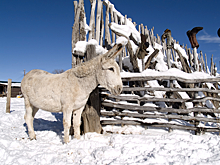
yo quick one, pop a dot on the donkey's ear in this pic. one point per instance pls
(113, 52)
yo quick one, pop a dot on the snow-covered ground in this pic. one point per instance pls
(126, 145)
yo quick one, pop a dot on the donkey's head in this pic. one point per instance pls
(109, 75)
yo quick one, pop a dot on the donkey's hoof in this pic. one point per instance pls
(77, 137)
(32, 136)
(66, 140)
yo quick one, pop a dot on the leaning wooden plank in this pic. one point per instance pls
(116, 20)
(212, 66)
(107, 33)
(184, 62)
(92, 20)
(75, 3)
(190, 57)
(75, 31)
(202, 61)
(150, 109)
(98, 20)
(152, 36)
(102, 28)
(154, 54)
(112, 20)
(82, 33)
(133, 57)
(146, 31)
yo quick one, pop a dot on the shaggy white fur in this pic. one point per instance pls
(68, 92)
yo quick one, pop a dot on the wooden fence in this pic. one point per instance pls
(130, 106)
(130, 109)
(103, 13)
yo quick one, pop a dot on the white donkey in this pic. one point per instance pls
(68, 92)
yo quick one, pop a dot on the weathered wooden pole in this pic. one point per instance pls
(212, 66)
(152, 36)
(92, 20)
(143, 34)
(107, 32)
(82, 23)
(98, 20)
(102, 27)
(112, 20)
(146, 31)
(91, 113)
(206, 64)
(8, 96)
(202, 62)
(115, 20)
(196, 104)
(196, 64)
(167, 35)
(75, 29)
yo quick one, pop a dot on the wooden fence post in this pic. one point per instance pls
(202, 62)
(98, 20)
(92, 20)
(91, 112)
(212, 66)
(112, 20)
(102, 27)
(75, 29)
(107, 32)
(196, 104)
(8, 96)
(146, 31)
(167, 35)
(82, 21)
(196, 64)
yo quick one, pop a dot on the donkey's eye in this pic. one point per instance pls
(111, 69)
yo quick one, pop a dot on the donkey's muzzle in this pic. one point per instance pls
(117, 90)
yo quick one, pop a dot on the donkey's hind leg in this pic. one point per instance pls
(77, 122)
(29, 118)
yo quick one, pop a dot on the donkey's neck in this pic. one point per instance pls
(87, 74)
(88, 83)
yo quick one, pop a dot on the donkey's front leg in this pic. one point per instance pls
(66, 123)
(29, 117)
(77, 122)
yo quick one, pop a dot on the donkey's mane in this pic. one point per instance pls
(87, 68)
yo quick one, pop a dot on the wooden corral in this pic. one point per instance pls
(129, 108)
(15, 89)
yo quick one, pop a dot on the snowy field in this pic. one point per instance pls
(138, 146)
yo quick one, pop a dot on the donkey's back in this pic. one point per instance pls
(44, 90)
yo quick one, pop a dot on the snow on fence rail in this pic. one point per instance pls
(169, 112)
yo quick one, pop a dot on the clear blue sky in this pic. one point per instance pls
(36, 34)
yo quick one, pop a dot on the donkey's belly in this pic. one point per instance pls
(47, 104)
